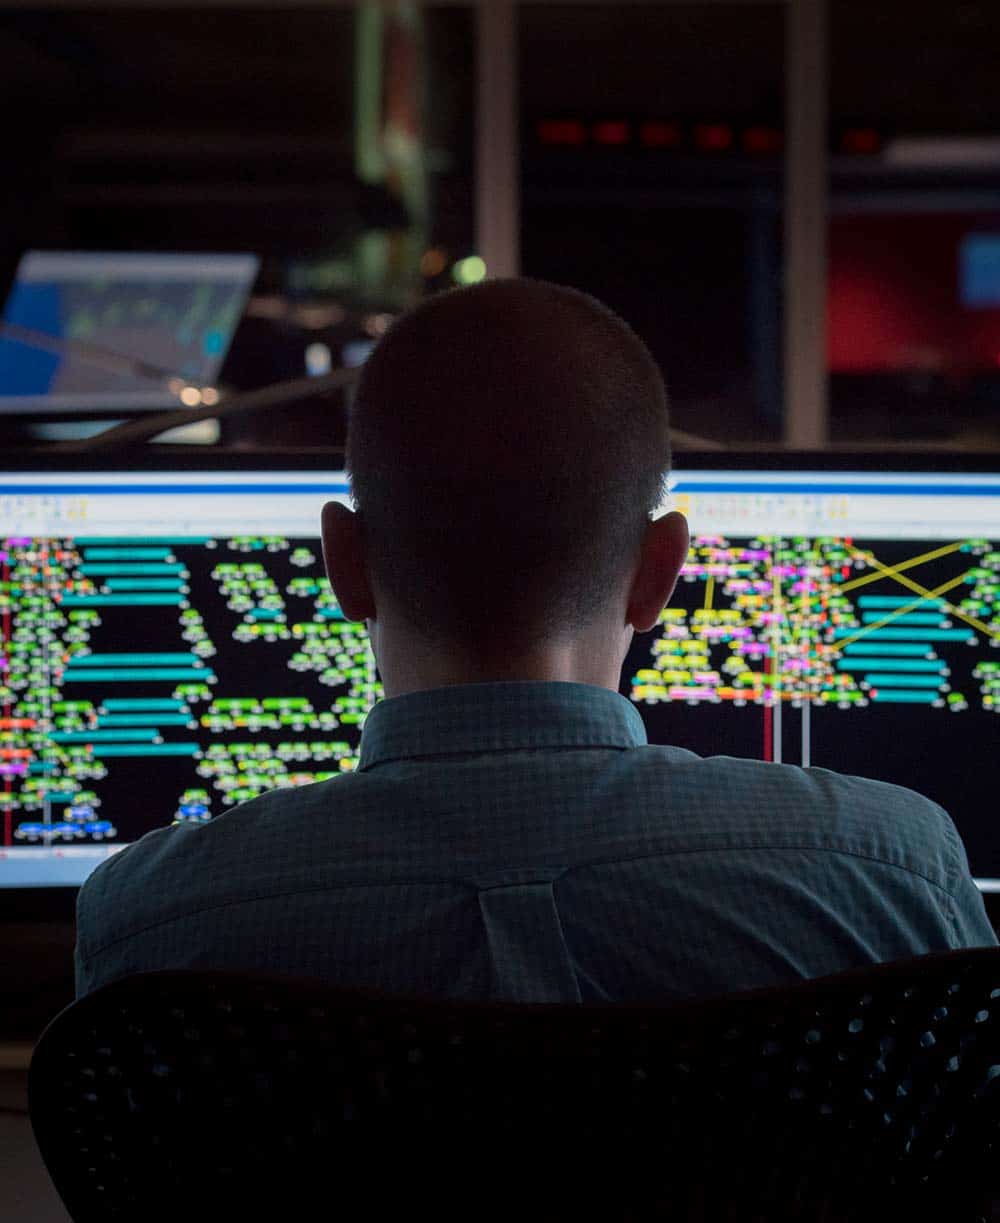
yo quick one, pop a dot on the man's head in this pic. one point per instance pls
(507, 445)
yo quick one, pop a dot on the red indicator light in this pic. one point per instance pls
(760, 140)
(660, 134)
(713, 137)
(611, 131)
(861, 140)
(562, 131)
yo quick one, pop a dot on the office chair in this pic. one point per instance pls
(214, 1095)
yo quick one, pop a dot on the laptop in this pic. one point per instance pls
(92, 332)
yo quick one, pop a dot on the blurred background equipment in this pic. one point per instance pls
(311, 137)
(801, 240)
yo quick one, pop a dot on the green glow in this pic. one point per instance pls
(469, 271)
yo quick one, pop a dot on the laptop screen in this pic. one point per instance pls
(91, 332)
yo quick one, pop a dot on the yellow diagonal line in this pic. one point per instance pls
(709, 592)
(889, 571)
(914, 560)
(900, 611)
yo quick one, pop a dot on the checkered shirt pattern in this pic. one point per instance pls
(522, 841)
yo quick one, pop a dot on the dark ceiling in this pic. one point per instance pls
(203, 127)
(263, 67)
(918, 66)
(676, 58)
(192, 126)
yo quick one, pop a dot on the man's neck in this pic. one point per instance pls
(409, 664)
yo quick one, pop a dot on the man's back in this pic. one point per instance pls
(520, 841)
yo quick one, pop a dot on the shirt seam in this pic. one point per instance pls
(303, 891)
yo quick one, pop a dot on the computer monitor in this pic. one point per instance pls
(91, 332)
(169, 646)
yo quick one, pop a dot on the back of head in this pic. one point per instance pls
(507, 445)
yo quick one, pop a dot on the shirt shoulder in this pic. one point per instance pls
(169, 868)
(785, 806)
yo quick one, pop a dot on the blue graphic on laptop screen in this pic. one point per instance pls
(89, 331)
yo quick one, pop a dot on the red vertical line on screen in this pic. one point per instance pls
(768, 714)
(8, 784)
(766, 692)
(777, 665)
(806, 760)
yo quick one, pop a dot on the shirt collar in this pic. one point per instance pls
(498, 717)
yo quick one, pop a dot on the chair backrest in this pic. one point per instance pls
(215, 1095)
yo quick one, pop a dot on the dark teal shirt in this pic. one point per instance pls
(522, 841)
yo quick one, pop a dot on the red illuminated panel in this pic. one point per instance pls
(660, 134)
(713, 137)
(861, 140)
(570, 132)
(760, 140)
(611, 131)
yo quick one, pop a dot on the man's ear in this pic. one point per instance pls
(343, 555)
(664, 551)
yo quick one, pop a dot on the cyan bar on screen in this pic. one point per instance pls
(126, 554)
(57, 796)
(136, 599)
(173, 659)
(901, 697)
(143, 719)
(893, 664)
(126, 704)
(265, 613)
(908, 618)
(904, 681)
(146, 749)
(116, 584)
(104, 736)
(913, 634)
(129, 675)
(126, 569)
(890, 601)
(901, 648)
(83, 541)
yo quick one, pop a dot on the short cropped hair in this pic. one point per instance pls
(507, 445)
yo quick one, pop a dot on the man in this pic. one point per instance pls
(509, 833)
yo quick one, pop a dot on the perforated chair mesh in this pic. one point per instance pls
(212, 1095)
